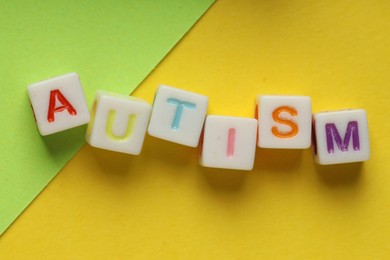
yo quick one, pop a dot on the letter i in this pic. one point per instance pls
(231, 142)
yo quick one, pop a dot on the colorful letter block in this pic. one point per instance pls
(178, 116)
(341, 136)
(229, 142)
(284, 121)
(58, 104)
(118, 123)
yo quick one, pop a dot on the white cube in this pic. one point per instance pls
(341, 136)
(118, 123)
(58, 104)
(178, 116)
(229, 142)
(284, 121)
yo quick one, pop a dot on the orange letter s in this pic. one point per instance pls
(276, 116)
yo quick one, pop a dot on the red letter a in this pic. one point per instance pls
(54, 96)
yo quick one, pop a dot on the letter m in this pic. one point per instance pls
(333, 134)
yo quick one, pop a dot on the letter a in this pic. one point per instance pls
(54, 96)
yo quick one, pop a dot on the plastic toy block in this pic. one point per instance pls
(178, 116)
(118, 123)
(341, 137)
(229, 142)
(58, 104)
(284, 121)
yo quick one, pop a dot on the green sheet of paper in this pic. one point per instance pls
(112, 45)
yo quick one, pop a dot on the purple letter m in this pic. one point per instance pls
(332, 132)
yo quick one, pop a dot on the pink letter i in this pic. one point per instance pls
(231, 141)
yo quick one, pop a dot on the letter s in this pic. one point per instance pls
(276, 116)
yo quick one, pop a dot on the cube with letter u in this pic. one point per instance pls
(341, 136)
(118, 123)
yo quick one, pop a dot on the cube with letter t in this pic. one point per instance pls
(178, 116)
(341, 136)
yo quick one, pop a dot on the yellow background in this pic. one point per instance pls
(162, 205)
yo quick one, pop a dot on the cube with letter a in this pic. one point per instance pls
(341, 136)
(118, 123)
(178, 116)
(284, 121)
(58, 104)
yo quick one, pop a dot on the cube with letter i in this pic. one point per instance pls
(229, 142)
(58, 104)
(178, 116)
(341, 136)
(284, 121)
(118, 123)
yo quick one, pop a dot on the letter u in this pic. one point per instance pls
(129, 128)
